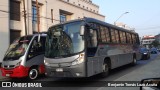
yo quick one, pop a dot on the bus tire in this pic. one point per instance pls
(33, 74)
(134, 62)
(105, 70)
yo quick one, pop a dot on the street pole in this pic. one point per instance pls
(52, 15)
(38, 21)
(25, 22)
(120, 17)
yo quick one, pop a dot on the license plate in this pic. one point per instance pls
(59, 70)
(7, 75)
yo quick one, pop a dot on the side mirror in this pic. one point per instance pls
(39, 37)
(153, 82)
(82, 30)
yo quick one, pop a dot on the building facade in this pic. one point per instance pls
(147, 41)
(46, 12)
(157, 37)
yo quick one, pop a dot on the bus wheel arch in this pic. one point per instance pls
(108, 61)
(134, 59)
(33, 72)
(106, 67)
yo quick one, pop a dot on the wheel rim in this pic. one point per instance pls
(105, 68)
(33, 74)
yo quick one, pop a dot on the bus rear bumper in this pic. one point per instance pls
(72, 71)
(17, 72)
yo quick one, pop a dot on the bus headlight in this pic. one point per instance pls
(79, 60)
(46, 63)
(18, 64)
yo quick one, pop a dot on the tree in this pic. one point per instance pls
(155, 43)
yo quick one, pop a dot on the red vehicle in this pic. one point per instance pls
(24, 58)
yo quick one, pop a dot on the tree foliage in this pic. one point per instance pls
(155, 43)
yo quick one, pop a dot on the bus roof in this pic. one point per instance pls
(93, 20)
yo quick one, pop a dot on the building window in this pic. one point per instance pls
(64, 15)
(63, 18)
(14, 34)
(14, 10)
(34, 14)
(87, 7)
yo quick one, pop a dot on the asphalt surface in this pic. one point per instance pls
(143, 69)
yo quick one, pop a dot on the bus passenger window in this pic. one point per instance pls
(116, 36)
(129, 39)
(107, 34)
(122, 37)
(113, 37)
(134, 38)
(36, 48)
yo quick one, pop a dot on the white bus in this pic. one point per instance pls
(25, 57)
(86, 47)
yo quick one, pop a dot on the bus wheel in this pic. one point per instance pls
(105, 70)
(33, 74)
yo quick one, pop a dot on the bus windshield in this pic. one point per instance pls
(17, 48)
(64, 40)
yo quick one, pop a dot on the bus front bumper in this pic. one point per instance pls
(17, 72)
(71, 71)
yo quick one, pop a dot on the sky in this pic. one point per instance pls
(144, 15)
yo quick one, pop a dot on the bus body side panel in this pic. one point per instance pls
(36, 61)
(94, 65)
(119, 55)
(35, 58)
(137, 51)
(138, 55)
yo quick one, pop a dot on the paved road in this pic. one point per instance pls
(143, 69)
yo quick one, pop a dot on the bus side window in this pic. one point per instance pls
(133, 38)
(129, 39)
(36, 48)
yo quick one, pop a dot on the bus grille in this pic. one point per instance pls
(9, 66)
(60, 64)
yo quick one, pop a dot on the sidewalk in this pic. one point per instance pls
(150, 70)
